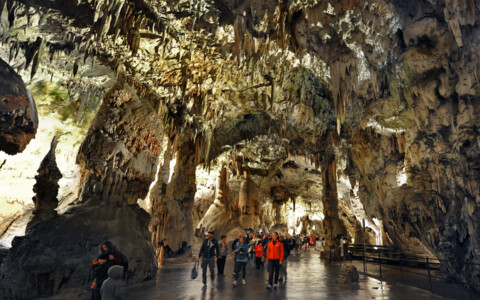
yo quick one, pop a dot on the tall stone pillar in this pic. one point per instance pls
(173, 201)
(332, 224)
(249, 203)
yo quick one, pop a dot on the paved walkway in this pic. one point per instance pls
(308, 278)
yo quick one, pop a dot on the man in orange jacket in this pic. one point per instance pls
(274, 259)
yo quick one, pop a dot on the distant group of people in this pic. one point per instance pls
(109, 268)
(273, 249)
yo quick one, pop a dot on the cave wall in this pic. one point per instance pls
(117, 158)
(432, 95)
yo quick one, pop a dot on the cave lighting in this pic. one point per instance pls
(402, 177)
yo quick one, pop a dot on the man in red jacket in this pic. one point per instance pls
(274, 259)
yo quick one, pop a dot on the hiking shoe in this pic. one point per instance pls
(244, 281)
(234, 283)
(204, 288)
(275, 285)
(269, 287)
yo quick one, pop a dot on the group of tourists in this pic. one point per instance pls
(273, 249)
(306, 243)
(108, 269)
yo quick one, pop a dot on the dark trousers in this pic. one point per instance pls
(239, 265)
(95, 294)
(221, 264)
(273, 268)
(259, 262)
(210, 262)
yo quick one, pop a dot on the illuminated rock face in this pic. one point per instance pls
(18, 114)
(117, 160)
(390, 85)
(249, 203)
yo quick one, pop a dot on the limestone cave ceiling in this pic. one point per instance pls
(381, 96)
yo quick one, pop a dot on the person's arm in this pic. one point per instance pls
(216, 250)
(268, 253)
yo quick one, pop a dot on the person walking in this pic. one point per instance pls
(209, 254)
(223, 256)
(286, 253)
(241, 259)
(258, 255)
(274, 260)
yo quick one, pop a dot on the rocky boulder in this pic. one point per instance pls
(18, 114)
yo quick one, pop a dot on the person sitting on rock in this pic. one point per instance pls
(168, 252)
(115, 256)
(100, 268)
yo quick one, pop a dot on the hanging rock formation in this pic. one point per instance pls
(18, 114)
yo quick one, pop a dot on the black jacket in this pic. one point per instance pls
(286, 249)
(207, 251)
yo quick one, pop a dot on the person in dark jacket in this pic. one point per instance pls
(115, 256)
(112, 287)
(286, 253)
(100, 268)
(209, 254)
(223, 250)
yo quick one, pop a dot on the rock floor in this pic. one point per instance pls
(308, 278)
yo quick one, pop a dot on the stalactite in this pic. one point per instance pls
(34, 65)
(32, 49)
(133, 39)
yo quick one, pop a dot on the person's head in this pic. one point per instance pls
(280, 238)
(106, 247)
(210, 235)
(275, 235)
(224, 237)
(242, 240)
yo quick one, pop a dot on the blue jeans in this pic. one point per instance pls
(210, 262)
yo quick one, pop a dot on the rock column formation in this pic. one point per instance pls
(249, 203)
(46, 188)
(332, 224)
(172, 202)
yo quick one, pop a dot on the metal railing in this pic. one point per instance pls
(393, 258)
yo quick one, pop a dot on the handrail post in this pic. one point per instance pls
(429, 277)
(364, 251)
(401, 267)
(380, 262)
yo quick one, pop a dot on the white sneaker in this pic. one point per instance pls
(244, 281)
(234, 283)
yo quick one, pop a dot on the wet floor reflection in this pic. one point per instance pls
(308, 278)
